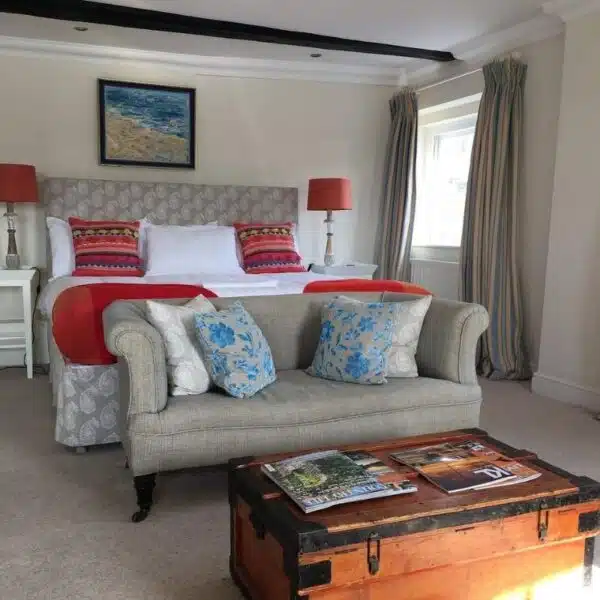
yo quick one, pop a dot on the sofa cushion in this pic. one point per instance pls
(235, 351)
(186, 371)
(407, 322)
(291, 324)
(297, 399)
(355, 341)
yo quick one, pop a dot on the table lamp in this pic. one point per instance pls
(17, 184)
(329, 194)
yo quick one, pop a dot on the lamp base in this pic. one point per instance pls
(328, 259)
(12, 256)
(13, 262)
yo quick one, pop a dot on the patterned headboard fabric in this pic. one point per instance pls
(167, 203)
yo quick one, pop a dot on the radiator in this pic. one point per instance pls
(439, 277)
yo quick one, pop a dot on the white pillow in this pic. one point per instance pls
(181, 250)
(186, 373)
(61, 247)
(405, 337)
(63, 252)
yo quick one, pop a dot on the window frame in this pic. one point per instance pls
(425, 151)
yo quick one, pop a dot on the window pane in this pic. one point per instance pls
(442, 188)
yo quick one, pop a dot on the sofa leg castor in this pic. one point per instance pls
(144, 488)
(80, 450)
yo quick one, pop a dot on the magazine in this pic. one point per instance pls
(522, 473)
(376, 467)
(461, 466)
(320, 480)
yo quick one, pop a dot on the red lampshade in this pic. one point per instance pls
(18, 183)
(329, 194)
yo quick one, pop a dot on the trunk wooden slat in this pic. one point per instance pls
(429, 545)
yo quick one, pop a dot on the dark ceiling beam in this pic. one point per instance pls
(154, 20)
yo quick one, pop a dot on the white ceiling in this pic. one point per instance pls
(436, 24)
(456, 25)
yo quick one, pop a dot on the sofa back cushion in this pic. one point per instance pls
(291, 324)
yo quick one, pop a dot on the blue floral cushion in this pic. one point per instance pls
(235, 351)
(355, 342)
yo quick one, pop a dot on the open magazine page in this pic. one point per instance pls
(322, 479)
(423, 456)
(462, 466)
(375, 467)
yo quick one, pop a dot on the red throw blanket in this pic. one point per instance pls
(364, 285)
(77, 315)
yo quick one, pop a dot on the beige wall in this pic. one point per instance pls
(542, 107)
(568, 367)
(249, 131)
(542, 102)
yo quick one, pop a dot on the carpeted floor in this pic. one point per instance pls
(64, 518)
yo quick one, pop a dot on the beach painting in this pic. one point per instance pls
(146, 125)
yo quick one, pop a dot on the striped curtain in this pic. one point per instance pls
(399, 189)
(488, 255)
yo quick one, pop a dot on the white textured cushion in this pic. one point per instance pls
(405, 337)
(195, 249)
(186, 372)
(407, 324)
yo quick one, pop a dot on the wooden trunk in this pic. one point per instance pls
(528, 541)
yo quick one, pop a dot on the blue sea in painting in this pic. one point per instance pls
(160, 110)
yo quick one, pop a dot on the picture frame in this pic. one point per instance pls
(147, 125)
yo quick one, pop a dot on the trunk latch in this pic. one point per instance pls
(543, 519)
(373, 555)
(259, 528)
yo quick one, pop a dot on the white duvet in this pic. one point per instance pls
(223, 285)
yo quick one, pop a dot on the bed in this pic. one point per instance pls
(86, 395)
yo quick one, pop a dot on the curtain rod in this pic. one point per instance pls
(515, 55)
(447, 80)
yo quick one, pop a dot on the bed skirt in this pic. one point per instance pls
(86, 398)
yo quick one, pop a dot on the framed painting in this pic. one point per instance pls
(147, 125)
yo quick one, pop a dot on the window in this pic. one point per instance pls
(443, 171)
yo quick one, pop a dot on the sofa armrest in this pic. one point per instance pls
(448, 342)
(129, 336)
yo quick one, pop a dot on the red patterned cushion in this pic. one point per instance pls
(268, 248)
(106, 248)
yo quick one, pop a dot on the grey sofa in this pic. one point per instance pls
(298, 411)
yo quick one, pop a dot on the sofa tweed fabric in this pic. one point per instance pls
(297, 411)
(106, 248)
(268, 248)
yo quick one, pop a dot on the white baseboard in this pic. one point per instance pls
(566, 391)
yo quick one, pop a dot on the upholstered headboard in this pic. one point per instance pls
(167, 203)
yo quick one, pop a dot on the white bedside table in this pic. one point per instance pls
(27, 280)
(352, 270)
